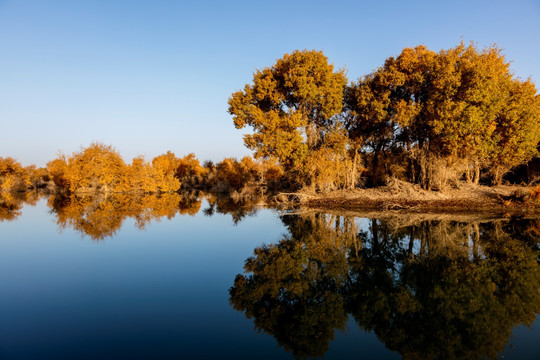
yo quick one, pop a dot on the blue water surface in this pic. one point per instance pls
(157, 293)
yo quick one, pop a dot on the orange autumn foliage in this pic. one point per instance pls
(13, 176)
(100, 168)
(189, 171)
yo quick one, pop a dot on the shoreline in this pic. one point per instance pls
(457, 206)
(400, 196)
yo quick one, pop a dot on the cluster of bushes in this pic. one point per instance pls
(101, 168)
(244, 175)
(432, 118)
(16, 178)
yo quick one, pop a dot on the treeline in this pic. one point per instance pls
(17, 178)
(432, 118)
(100, 168)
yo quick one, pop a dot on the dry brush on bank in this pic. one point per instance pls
(399, 195)
(430, 118)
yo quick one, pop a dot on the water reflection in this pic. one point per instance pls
(238, 208)
(12, 203)
(100, 216)
(430, 288)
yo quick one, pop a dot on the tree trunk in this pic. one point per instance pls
(412, 172)
(424, 171)
(476, 172)
(375, 166)
(498, 173)
(312, 135)
(353, 172)
(468, 174)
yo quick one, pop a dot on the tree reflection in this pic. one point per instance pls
(11, 203)
(431, 289)
(100, 217)
(295, 290)
(238, 207)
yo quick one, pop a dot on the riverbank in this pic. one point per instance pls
(399, 195)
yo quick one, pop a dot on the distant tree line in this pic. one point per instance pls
(100, 168)
(17, 178)
(426, 117)
(430, 118)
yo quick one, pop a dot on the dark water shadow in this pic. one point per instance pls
(427, 286)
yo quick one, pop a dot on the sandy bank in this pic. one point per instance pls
(399, 195)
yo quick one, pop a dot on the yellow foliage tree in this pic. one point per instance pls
(289, 106)
(458, 105)
(13, 177)
(57, 170)
(330, 167)
(140, 176)
(96, 168)
(189, 170)
(231, 175)
(517, 130)
(163, 172)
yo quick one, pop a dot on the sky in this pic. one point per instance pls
(152, 76)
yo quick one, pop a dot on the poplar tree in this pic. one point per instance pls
(290, 107)
(457, 109)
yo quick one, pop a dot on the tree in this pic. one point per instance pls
(140, 176)
(164, 169)
(189, 171)
(97, 167)
(458, 106)
(330, 166)
(369, 122)
(58, 171)
(517, 130)
(289, 106)
(13, 176)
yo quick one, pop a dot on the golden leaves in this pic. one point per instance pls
(459, 103)
(99, 168)
(301, 89)
(13, 176)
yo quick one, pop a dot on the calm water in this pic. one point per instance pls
(185, 277)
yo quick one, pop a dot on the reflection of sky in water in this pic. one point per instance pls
(160, 292)
(157, 293)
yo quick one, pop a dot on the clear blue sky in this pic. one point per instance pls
(152, 76)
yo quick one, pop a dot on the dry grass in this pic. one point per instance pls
(401, 195)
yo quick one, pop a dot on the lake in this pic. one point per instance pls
(203, 277)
